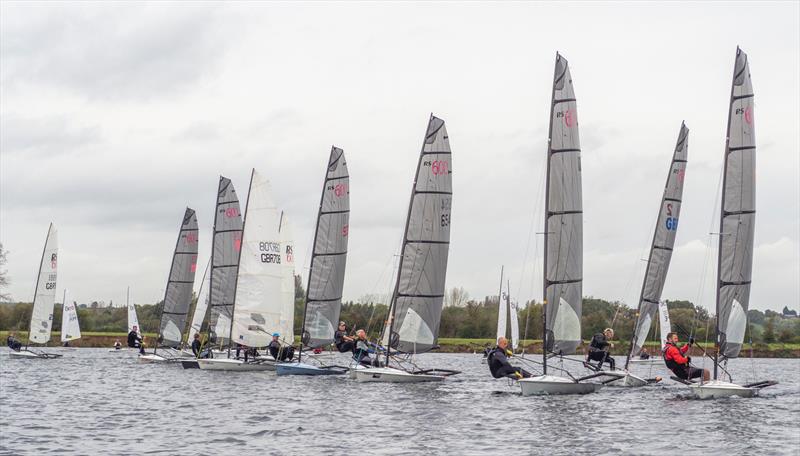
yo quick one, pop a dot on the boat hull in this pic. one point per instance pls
(190, 364)
(549, 384)
(648, 361)
(305, 369)
(235, 365)
(151, 359)
(391, 375)
(26, 354)
(716, 389)
(629, 380)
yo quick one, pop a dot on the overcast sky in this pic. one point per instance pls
(114, 118)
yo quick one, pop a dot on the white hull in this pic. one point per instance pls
(629, 380)
(391, 375)
(648, 361)
(549, 384)
(151, 358)
(716, 389)
(352, 372)
(24, 355)
(236, 365)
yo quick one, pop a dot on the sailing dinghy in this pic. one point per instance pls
(43, 301)
(563, 243)
(258, 303)
(659, 259)
(178, 294)
(70, 328)
(326, 277)
(735, 254)
(416, 306)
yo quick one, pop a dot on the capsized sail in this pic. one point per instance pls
(419, 291)
(201, 308)
(329, 255)
(662, 245)
(45, 295)
(70, 328)
(738, 214)
(286, 326)
(257, 312)
(226, 245)
(563, 257)
(178, 295)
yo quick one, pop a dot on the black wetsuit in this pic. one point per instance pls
(196, 345)
(134, 341)
(13, 343)
(598, 351)
(644, 355)
(500, 367)
(342, 345)
(280, 353)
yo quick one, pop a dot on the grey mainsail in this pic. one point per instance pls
(329, 255)
(663, 243)
(737, 215)
(417, 298)
(563, 238)
(178, 294)
(225, 249)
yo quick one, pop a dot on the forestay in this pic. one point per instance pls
(225, 248)
(45, 294)
(258, 308)
(178, 295)
(417, 303)
(201, 308)
(563, 256)
(738, 212)
(329, 255)
(70, 328)
(663, 243)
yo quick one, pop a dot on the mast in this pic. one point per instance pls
(545, 282)
(333, 247)
(662, 244)
(735, 253)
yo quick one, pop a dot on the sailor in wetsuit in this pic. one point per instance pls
(644, 354)
(279, 352)
(135, 340)
(598, 348)
(13, 343)
(678, 363)
(499, 365)
(196, 346)
(343, 342)
(362, 350)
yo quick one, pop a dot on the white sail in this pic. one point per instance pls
(202, 305)
(666, 327)
(502, 312)
(257, 309)
(133, 320)
(286, 328)
(514, 325)
(70, 329)
(45, 296)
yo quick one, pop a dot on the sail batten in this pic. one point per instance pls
(329, 255)
(737, 214)
(178, 294)
(226, 246)
(45, 294)
(419, 291)
(563, 238)
(662, 244)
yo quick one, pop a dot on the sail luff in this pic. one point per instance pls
(563, 265)
(737, 215)
(662, 244)
(180, 282)
(419, 290)
(325, 283)
(45, 292)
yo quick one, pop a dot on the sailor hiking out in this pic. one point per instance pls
(599, 347)
(680, 364)
(499, 365)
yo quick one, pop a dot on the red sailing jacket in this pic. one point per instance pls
(675, 354)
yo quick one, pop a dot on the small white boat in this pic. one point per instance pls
(392, 375)
(716, 389)
(27, 354)
(153, 358)
(295, 368)
(629, 380)
(550, 384)
(237, 365)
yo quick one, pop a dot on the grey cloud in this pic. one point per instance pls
(45, 136)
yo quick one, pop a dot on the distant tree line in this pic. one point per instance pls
(468, 319)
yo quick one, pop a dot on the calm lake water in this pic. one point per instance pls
(92, 401)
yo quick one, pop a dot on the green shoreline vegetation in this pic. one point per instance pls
(466, 325)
